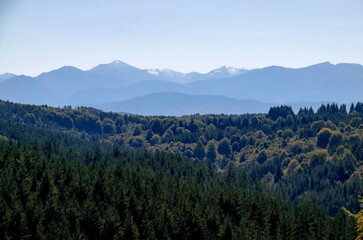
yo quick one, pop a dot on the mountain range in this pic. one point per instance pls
(120, 87)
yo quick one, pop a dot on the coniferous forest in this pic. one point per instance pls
(80, 173)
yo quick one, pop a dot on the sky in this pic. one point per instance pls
(184, 35)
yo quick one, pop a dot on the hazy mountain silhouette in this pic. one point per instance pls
(320, 82)
(316, 83)
(25, 89)
(69, 83)
(5, 76)
(177, 104)
(101, 95)
(119, 81)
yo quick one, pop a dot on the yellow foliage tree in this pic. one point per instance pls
(359, 220)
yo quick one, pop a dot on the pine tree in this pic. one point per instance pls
(224, 147)
(211, 152)
(199, 151)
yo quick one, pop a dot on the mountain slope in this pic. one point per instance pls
(321, 82)
(177, 104)
(25, 89)
(102, 95)
(67, 80)
(5, 76)
(121, 73)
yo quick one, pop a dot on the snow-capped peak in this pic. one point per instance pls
(118, 62)
(153, 71)
(227, 70)
(231, 70)
(163, 71)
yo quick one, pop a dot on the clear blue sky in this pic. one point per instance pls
(185, 35)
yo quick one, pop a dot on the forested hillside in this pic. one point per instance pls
(102, 175)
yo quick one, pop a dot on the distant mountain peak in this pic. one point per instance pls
(6, 76)
(323, 64)
(115, 65)
(62, 70)
(12, 74)
(231, 70)
(226, 71)
(327, 63)
(68, 68)
(118, 62)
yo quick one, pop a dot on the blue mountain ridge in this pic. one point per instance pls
(120, 82)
